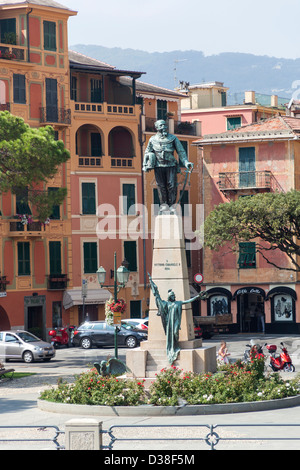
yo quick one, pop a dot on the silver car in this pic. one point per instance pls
(19, 344)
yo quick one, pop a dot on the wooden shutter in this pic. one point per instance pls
(90, 257)
(55, 257)
(88, 198)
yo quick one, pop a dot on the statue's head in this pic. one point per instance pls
(161, 126)
(171, 295)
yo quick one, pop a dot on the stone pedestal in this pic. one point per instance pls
(169, 271)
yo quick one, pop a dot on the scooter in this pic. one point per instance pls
(281, 361)
(252, 348)
(60, 337)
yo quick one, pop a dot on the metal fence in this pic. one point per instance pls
(187, 437)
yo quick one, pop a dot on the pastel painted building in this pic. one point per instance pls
(34, 84)
(256, 158)
(207, 103)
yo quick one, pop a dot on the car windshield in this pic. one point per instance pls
(128, 326)
(85, 326)
(28, 337)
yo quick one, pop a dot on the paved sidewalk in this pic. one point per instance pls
(18, 407)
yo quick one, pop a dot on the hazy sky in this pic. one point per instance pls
(261, 27)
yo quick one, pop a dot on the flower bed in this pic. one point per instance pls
(235, 383)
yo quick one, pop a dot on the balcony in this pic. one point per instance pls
(57, 282)
(245, 180)
(32, 229)
(5, 107)
(54, 115)
(12, 52)
(3, 283)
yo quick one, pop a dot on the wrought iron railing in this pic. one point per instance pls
(57, 281)
(232, 181)
(36, 430)
(52, 114)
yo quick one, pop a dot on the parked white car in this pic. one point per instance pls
(138, 323)
(19, 344)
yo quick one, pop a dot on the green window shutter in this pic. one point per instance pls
(247, 255)
(223, 98)
(88, 198)
(55, 257)
(128, 198)
(90, 257)
(19, 85)
(162, 108)
(131, 255)
(49, 36)
(247, 167)
(23, 258)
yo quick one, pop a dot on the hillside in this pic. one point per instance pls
(239, 72)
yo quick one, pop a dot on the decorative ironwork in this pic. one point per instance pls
(234, 181)
(89, 161)
(5, 107)
(57, 281)
(52, 114)
(3, 283)
(122, 162)
(53, 440)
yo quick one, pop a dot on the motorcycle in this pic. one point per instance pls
(60, 337)
(281, 361)
(252, 348)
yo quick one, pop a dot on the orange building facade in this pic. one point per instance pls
(35, 259)
(252, 159)
(105, 118)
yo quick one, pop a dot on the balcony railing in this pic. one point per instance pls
(122, 162)
(3, 283)
(12, 52)
(57, 281)
(52, 114)
(234, 181)
(34, 228)
(185, 127)
(89, 107)
(5, 107)
(88, 161)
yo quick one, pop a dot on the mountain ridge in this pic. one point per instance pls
(238, 71)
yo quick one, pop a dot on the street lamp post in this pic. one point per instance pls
(121, 276)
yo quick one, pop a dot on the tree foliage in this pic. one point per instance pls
(272, 220)
(29, 157)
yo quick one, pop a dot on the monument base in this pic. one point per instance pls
(145, 363)
(169, 270)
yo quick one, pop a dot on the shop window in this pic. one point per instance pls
(247, 255)
(283, 308)
(56, 315)
(218, 305)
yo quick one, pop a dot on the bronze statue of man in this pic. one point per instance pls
(170, 312)
(159, 155)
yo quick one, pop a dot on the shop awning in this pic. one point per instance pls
(249, 290)
(282, 290)
(219, 291)
(94, 296)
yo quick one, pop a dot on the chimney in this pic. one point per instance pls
(274, 101)
(249, 97)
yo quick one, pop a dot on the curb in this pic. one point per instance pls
(152, 410)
